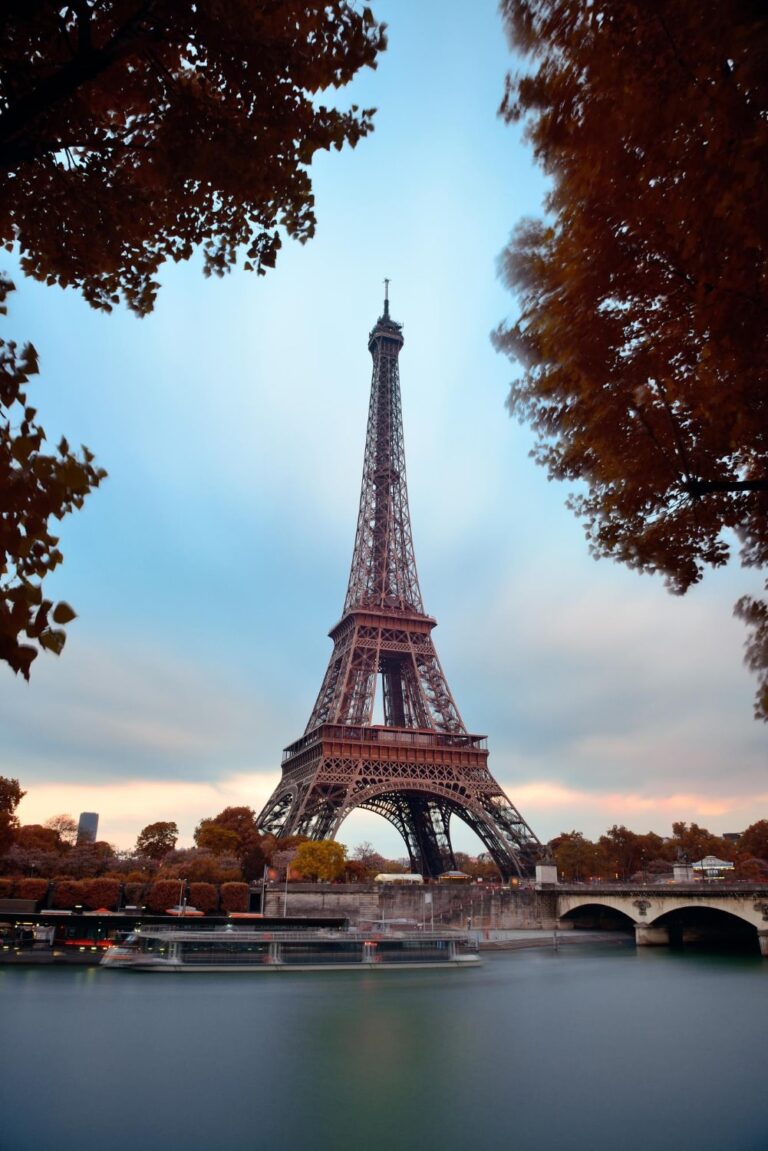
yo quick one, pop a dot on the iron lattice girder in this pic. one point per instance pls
(423, 822)
(369, 643)
(421, 767)
(335, 769)
(383, 572)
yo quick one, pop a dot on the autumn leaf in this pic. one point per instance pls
(641, 333)
(63, 613)
(147, 131)
(37, 488)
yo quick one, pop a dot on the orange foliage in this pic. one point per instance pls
(163, 894)
(34, 837)
(144, 131)
(68, 893)
(234, 897)
(101, 893)
(642, 333)
(31, 888)
(203, 896)
(37, 486)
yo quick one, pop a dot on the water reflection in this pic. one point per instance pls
(589, 1048)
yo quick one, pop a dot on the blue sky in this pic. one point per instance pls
(209, 567)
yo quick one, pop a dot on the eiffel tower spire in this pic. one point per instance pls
(383, 573)
(421, 766)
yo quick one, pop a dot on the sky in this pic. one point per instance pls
(209, 567)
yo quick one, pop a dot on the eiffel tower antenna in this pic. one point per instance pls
(420, 767)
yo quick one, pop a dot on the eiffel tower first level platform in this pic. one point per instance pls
(419, 767)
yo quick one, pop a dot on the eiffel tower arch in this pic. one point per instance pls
(420, 767)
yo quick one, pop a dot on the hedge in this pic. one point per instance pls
(203, 896)
(31, 888)
(101, 893)
(234, 896)
(134, 894)
(163, 894)
(67, 893)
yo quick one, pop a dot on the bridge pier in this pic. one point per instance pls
(762, 938)
(647, 936)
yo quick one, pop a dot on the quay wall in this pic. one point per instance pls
(465, 906)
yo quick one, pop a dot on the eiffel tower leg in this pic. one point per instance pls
(395, 809)
(306, 808)
(430, 835)
(422, 820)
(275, 817)
(510, 842)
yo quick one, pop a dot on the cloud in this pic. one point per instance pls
(550, 807)
(604, 698)
(125, 708)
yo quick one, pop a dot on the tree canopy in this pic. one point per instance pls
(132, 132)
(754, 840)
(212, 837)
(320, 859)
(38, 486)
(157, 839)
(234, 829)
(624, 854)
(11, 796)
(65, 827)
(146, 128)
(643, 297)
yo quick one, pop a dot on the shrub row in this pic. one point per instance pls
(66, 894)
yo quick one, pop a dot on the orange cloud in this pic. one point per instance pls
(551, 807)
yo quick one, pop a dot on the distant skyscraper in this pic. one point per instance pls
(87, 827)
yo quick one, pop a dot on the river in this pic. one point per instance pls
(587, 1049)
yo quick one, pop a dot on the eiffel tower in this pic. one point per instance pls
(421, 766)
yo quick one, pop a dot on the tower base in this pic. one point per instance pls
(416, 779)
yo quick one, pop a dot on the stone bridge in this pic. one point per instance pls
(674, 913)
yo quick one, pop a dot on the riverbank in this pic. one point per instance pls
(489, 939)
(486, 940)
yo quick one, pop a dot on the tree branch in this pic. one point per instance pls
(85, 66)
(707, 487)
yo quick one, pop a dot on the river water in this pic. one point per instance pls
(592, 1047)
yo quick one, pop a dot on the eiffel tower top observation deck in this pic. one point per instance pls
(420, 767)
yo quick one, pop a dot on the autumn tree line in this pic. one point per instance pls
(622, 854)
(45, 860)
(229, 853)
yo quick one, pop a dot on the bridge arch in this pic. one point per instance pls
(701, 924)
(698, 908)
(598, 914)
(662, 915)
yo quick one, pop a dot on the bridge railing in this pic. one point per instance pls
(708, 886)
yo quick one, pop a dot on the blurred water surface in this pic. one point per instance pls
(593, 1047)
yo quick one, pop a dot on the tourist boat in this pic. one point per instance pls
(245, 949)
